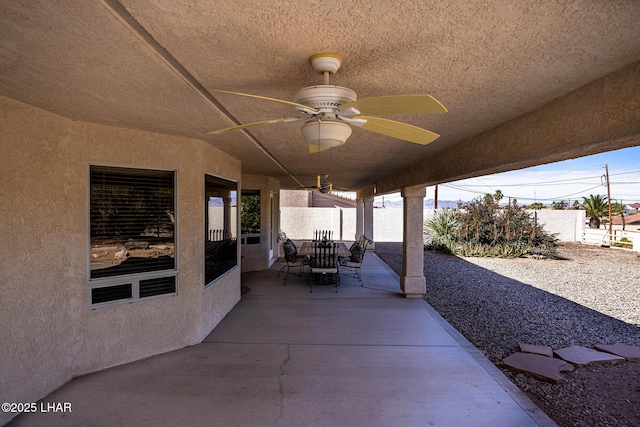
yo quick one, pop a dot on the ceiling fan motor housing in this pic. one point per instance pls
(324, 130)
(325, 98)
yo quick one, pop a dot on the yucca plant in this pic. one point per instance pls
(442, 230)
(443, 224)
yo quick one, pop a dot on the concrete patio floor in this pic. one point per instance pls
(365, 356)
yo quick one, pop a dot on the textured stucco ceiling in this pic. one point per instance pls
(487, 62)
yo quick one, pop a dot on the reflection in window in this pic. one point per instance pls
(132, 222)
(221, 205)
(250, 217)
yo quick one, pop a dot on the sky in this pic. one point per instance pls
(568, 180)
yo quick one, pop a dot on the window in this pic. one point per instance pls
(250, 217)
(221, 224)
(132, 234)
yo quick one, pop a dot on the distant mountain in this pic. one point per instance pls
(428, 204)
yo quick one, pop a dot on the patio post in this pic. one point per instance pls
(368, 222)
(412, 280)
(359, 218)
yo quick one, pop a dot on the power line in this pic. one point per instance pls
(554, 182)
(593, 182)
(460, 188)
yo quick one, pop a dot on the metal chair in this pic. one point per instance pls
(323, 266)
(292, 259)
(323, 235)
(358, 251)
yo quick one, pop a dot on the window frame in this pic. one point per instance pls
(205, 228)
(133, 279)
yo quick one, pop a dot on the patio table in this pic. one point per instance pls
(307, 249)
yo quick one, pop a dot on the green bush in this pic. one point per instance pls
(482, 228)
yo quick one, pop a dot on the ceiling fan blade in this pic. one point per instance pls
(263, 122)
(317, 148)
(398, 130)
(301, 107)
(396, 105)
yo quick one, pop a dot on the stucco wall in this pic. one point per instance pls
(48, 334)
(295, 198)
(567, 224)
(299, 223)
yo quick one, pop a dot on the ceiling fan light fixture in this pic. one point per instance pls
(325, 133)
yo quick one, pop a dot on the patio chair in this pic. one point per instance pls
(323, 267)
(323, 235)
(292, 259)
(282, 237)
(358, 250)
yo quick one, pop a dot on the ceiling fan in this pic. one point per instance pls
(329, 111)
(323, 185)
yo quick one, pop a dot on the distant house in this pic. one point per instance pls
(632, 209)
(633, 220)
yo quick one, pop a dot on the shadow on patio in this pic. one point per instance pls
(365, 356)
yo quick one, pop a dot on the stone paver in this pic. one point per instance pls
(584, 356)
(544, 350)
(542, 367)
(623, 350)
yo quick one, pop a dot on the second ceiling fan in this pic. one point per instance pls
(329, 111)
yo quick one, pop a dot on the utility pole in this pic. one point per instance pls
(606, 168)
(435, 202)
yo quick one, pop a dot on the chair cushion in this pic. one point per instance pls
(290, 251)
(357, 252)
(346, 263)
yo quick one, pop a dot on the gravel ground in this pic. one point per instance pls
(590, 297)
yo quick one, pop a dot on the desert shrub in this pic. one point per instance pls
(623, 243)
(446, 246)
(471, 249)
(483, 228)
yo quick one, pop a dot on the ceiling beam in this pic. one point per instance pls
(120, 13)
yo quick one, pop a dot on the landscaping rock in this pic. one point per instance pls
(123, 254)
(536, 365)
(623, 350)
(585, 356)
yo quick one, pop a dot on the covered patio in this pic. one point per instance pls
(287, 357)
(122, 211)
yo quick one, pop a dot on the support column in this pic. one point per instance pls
(359, 218)
(368, 222)
(412, 280)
